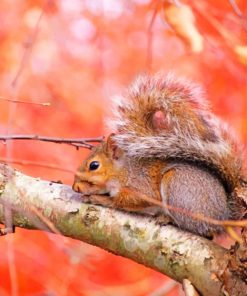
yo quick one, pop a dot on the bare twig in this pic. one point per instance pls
(78, 142)
(46, 104)
(8, 220)
(236, 9)
(225, 223)
(46, 221)
(188, 288)
(165, 289)
(239, 13)
(29, 45)
(25, 162)
(149, 58)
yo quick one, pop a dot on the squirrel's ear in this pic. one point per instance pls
(112, 148)
(159, 120)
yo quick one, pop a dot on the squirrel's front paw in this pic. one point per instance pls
(162, 219)
(97, 199)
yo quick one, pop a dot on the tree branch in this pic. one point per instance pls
(81, 142)
(176, 253)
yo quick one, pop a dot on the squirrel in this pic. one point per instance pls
(167, 148)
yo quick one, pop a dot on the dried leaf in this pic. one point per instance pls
(182, 20)
(241, 52)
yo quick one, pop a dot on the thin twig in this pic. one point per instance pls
(44, 219)
(229, 39)
(149, 58)
(165, 289)
(239, 13)
(200, 217)
(78, 142)
(189, 289)
(236, 9)
(25, 102)
(29, 45)
(38, 164)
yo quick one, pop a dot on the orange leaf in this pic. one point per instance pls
(241, 52)
(182, 21)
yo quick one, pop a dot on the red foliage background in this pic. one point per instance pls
(76, 54)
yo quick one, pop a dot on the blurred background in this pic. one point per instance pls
(76, 55)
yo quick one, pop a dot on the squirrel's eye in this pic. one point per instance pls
(94, 165)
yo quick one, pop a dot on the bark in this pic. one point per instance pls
(38, 204)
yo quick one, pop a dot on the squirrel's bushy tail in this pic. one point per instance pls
(189, 131)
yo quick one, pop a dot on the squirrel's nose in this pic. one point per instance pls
(76, 187)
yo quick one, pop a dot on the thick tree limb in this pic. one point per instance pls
(175, 253)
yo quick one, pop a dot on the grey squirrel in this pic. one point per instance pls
(168, 146)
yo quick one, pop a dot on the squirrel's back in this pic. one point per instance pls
(169, 118)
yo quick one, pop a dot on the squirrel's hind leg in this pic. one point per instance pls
(194, 197)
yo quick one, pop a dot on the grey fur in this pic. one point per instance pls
(187, 190)
(216, 149)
